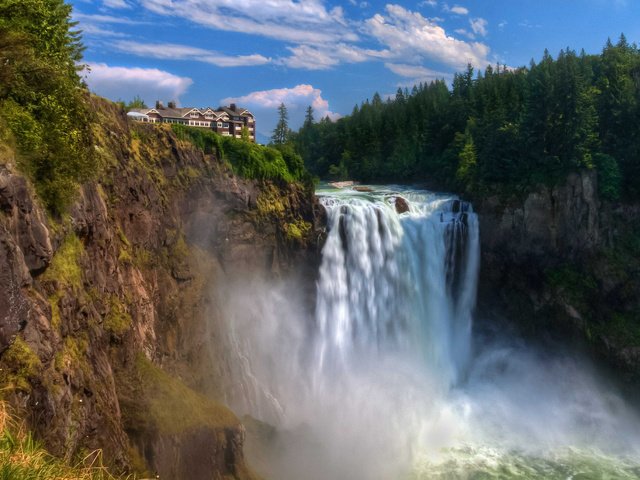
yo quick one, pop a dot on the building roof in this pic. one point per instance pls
(180, 113)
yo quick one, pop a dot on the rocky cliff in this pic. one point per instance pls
(561, 260)
(107, 321)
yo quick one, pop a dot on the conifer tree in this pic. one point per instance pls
(308, 117)
(281, 133)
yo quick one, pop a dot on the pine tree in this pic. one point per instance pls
(308, 117)
(281, 133)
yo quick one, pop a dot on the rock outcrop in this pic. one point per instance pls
(561, 260)
(105, 313)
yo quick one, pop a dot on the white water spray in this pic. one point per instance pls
(383, 383)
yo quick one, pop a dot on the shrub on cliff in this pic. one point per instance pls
(609, 177)
(42, 97)
(247, 159)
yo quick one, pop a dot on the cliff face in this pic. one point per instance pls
(106, 320)
(561, 260)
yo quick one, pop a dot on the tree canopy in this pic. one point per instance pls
(496, 131)
(42, 97)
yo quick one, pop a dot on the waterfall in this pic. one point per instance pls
(397, 283)
(380, 382)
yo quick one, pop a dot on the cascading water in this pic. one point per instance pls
(385, 380)
(401, 284)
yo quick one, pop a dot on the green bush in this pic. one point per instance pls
(609, 177)
(206, 140)
(247, 159)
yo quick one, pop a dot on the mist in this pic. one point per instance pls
(386, 379)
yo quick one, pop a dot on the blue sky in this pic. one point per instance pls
(326, 53)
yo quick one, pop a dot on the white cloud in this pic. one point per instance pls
(527, 24)
(479, 26)
(122, 83)
(288, 20)
(462, 31)
(316, 58)
(171, 51)
(414, 38)
(91, 29)
(296, 98)
(317, 37)
(458, 10)
(415, 74)
(115, 4)
(430, 3)
(415, 71)
(88, 18)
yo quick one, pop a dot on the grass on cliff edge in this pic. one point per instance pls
(162, 401)
(23, 458)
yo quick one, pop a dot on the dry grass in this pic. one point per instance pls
(23, 458)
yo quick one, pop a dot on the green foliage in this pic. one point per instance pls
(42, 98)
(20, 365)
(502, 131)
(137, 102)
(164, 402)
(576, 286)
(117, 320)
(609, 177)
(248, 159)
(206, 140)
(466, 172)
(65, 267)
(298, 230)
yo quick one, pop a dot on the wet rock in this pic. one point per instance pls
(14, 275)
(402, 205)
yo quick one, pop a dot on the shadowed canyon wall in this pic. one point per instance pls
(561, 260)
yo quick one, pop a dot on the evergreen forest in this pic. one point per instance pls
(502, 130)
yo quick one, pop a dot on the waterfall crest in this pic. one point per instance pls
(397, 283)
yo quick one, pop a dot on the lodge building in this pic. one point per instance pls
(227, 121)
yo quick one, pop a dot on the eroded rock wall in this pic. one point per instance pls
(96, 306)
(560, 260)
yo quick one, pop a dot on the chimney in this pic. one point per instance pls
(233, 107)
(159, 105)
(172, 104)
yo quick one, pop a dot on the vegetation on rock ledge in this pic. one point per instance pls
(23, 458)
(247, 159)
